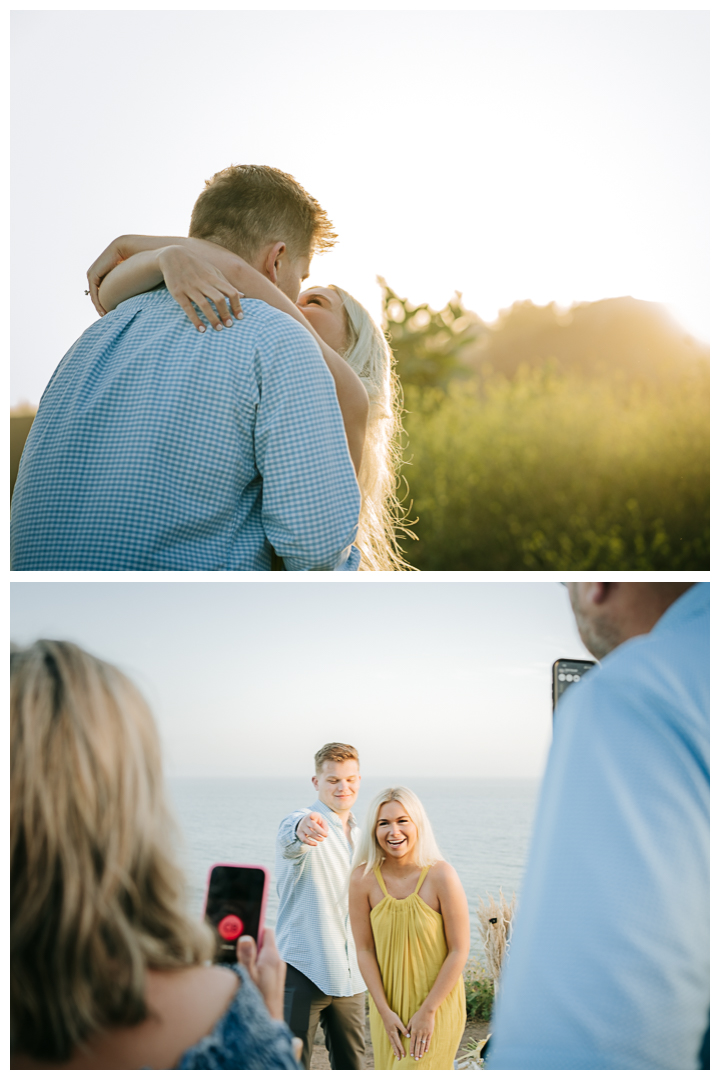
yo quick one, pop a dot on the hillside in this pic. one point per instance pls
(618, 336)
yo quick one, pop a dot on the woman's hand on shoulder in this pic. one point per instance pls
(195, 271)
(266, 970)
(193, 280)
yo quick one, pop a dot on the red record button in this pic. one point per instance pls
(230, 927)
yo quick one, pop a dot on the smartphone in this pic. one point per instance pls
(565, 673)
(235, 905)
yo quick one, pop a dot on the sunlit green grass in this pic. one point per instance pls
(558, 473)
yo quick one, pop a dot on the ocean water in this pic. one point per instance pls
(482, 827)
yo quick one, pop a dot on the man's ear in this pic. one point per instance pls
(273, 258)
(599, 591)
(315, 782)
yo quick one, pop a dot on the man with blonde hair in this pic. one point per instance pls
(610, 955)
(158, 448)
(314, 852)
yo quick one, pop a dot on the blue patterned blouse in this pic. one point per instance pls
(245, 1037)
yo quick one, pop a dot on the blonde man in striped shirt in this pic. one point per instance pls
(315, 848)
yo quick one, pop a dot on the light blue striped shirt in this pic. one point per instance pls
(609, 962)
(158, 448)
(313, 924)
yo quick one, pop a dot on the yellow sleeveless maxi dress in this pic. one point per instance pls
(410, 947)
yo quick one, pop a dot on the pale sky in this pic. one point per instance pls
(443, 678)
(557, 155)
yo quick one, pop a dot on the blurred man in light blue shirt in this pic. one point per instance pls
(609, 962)
(314, 852)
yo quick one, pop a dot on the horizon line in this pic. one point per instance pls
(369, 776)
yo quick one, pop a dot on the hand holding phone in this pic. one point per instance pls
(235, 906)
(266, 970)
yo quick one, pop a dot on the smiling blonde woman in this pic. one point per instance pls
(410, 923)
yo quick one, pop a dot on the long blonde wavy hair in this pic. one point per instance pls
(383, 520)
(368, 852)
(96, 898)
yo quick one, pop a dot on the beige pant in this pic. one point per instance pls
(342, 1020)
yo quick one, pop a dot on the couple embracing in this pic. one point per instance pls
(214, 418)
(403, 930)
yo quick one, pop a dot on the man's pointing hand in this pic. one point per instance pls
(311, 830)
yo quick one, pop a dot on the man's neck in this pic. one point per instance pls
(344, 816)
(256, 261)
(646, 604)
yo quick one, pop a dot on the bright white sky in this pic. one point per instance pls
(245, 680)
(555, 155)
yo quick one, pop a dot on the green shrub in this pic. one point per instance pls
(550, 472)
(479, 991)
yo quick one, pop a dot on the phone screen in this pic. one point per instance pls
(234, 906)
(567, 672)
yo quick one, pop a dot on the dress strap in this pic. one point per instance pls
(380, 881)
(422, 877)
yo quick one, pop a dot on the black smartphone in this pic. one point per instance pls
(565, 673)
(235, 905)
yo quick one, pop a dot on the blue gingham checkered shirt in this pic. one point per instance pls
(313, 924)
(158, 448)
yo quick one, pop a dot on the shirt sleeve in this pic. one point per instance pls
(311, 500)
(287, 842)
(608, 963)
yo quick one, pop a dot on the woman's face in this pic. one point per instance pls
(396, 832)
(325, 312)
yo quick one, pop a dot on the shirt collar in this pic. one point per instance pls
(689, 603)
(330, 814)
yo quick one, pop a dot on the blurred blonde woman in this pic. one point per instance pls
(410, 923)
(107, 970)
(197, 271)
